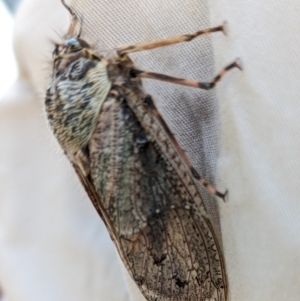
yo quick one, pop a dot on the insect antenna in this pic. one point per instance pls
(57, 33)
(74, 22)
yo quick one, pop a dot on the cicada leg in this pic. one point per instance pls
(182, 153)
(123, 50)
(184, 81)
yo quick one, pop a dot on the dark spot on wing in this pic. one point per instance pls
(195, 173)
(179, 282)
(159, 261)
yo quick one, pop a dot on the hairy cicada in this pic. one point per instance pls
(138, 177)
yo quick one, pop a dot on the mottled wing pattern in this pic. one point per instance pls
(165, 240)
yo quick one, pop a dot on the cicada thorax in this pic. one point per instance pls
(77, 90)
(80, 83)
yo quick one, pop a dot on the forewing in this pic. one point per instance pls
(166, 242)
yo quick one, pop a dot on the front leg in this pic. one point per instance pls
(124, 50)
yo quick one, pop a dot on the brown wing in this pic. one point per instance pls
(166, 242)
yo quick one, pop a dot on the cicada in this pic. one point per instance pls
(138, 177)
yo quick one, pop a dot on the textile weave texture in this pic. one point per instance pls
(243, 136)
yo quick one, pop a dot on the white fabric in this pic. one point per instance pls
(243, 136)
(259, 161)
(53, 245)
(8, 71)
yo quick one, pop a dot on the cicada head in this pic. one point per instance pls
(72, 43)
(70, 46)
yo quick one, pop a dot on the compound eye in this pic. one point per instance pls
(73, 44)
